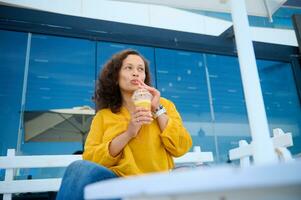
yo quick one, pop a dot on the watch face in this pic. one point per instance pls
(159, 111)
(159, 108)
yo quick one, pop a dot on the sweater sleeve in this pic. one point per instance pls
(175, 138)
(98, 141)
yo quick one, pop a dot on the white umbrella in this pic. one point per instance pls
(58, 125)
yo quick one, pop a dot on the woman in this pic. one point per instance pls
(125, 140)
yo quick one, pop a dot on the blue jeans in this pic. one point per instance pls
(79, 174)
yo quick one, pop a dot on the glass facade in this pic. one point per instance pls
(12, 58)
(181, 77)
(206, 88)
(230, 122)
(60, 75)
(281, 99)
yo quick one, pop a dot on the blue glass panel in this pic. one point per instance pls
(281, 99)
(12, 59)
(61, 73)
(181, 78)
(282, 18)
(105, 50)
(231, 121)
(227, 91)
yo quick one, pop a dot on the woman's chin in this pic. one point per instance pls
(134, 87)
(131, 89)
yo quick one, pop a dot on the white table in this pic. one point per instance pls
(268, 182)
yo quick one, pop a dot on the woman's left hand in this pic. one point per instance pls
(156, 95)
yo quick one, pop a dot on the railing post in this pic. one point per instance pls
(244, 161)
(283, 153)
(9, 173)
(263, 151)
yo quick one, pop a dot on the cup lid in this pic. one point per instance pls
(141, 93)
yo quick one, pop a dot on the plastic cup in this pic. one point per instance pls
(142, 98)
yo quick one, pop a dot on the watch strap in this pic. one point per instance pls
(159, 111)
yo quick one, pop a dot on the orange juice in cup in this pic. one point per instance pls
(142, 98)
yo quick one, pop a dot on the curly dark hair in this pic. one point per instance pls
(107, 94)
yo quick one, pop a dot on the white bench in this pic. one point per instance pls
(280, 141)
(11, 162)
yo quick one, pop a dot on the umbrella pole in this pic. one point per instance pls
(263, 150)
(83, 141)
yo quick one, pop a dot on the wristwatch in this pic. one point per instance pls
(159, 111)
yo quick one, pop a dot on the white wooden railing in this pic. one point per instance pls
(280, 141)
(12, 162)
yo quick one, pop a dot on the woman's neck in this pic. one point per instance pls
(127, 101)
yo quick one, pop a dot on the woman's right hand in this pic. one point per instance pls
(139, 117)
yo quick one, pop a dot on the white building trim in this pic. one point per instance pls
(131, 13)
(152, 16)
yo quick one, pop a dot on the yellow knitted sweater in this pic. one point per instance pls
(150, 151)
